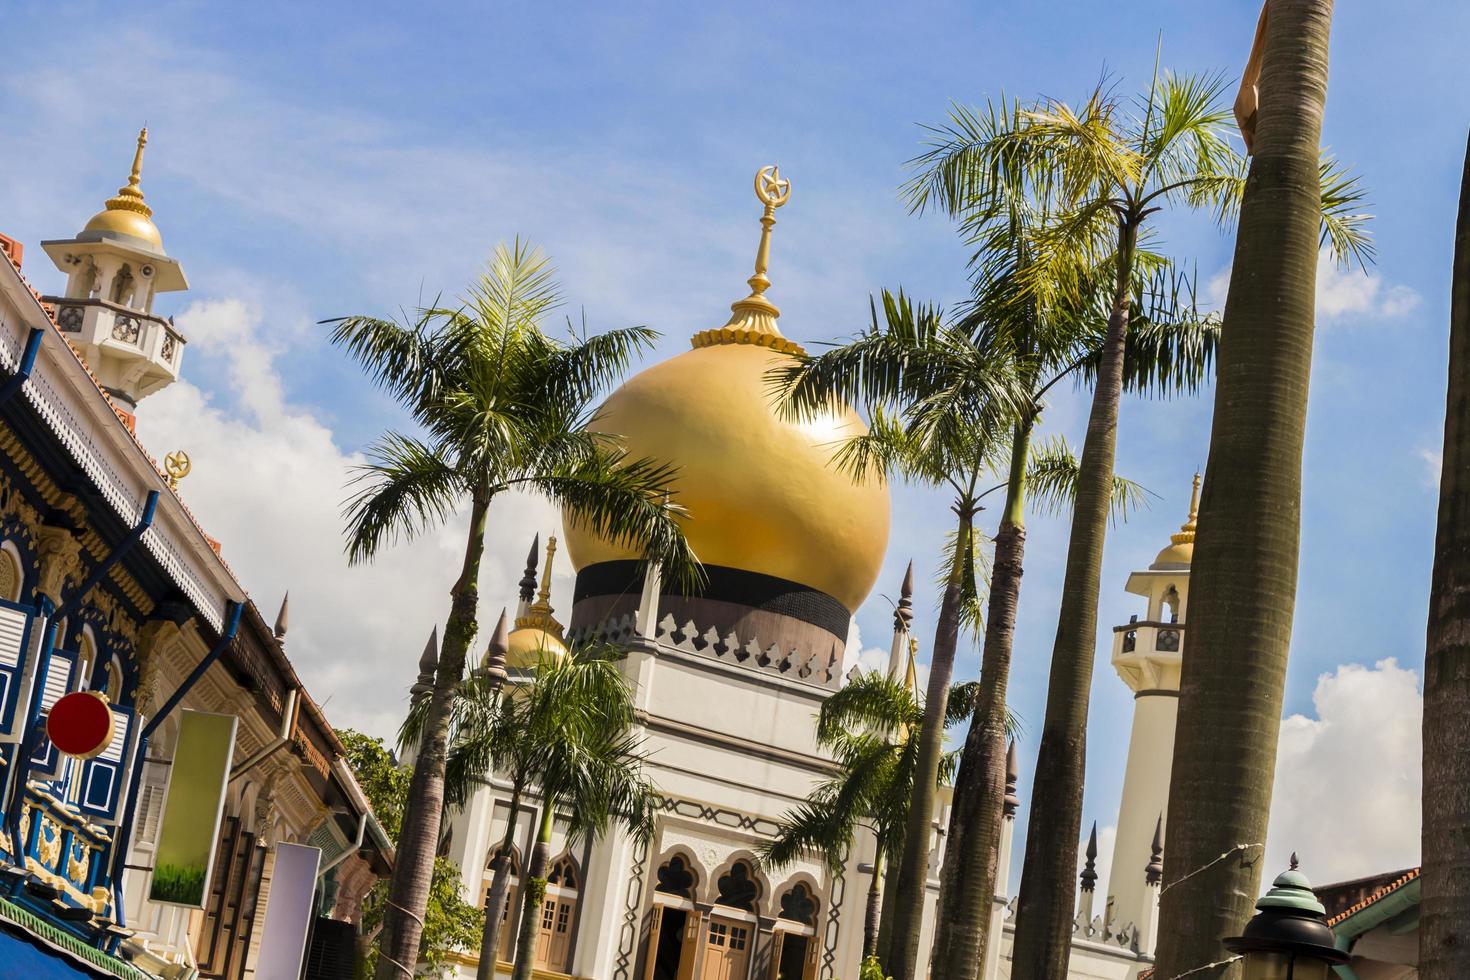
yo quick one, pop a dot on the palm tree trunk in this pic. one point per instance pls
(873, 914)
(408, 897)
(1044, 907)
(1243, 579)
(890, 904)
(1445, 911)
(913, 871)
(967, 885)
(535, 894)
(499, 885)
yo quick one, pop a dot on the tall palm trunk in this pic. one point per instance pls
(1044, 907)
(890, 905)
(499, 885)
(967, 885)
(1444, 925)
(873, 914)
(913, 871)
(408, 896)
(535, 894)
(1243, 580)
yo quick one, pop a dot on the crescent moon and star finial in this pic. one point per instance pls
(753, 319)
(177, 466)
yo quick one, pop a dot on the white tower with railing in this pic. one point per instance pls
(114, 268)
(1147, 654)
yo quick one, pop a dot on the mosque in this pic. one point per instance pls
(728, 683)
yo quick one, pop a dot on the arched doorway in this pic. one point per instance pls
(672, 914)
(512, 896)
(558, 912)
(794, 944)
(729, 937)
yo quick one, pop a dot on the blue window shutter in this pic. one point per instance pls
(46, 761)
(15, 638)
(102, 777)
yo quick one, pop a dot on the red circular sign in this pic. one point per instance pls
(80, 724)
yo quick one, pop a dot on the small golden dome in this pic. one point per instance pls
(127, 213)
(526, 647)
(537, 633)
(1181, 543)
(761, 491)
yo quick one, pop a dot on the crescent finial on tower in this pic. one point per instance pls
(753, 319)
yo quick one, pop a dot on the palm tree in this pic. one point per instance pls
(1446, 853)
(869, 727)
(1050, 333)
(565, 736)
(1245, 558)
(938, 415)
(502, 407)
(1108, 173)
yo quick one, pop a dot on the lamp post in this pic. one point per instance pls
(1289, 938)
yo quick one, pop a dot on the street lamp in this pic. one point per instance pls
(1289, 938)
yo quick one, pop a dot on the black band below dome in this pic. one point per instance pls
(764, 592)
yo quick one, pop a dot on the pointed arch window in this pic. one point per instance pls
(738, 888)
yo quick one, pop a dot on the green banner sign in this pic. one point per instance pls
(192, 809)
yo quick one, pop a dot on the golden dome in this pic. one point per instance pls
(1181, 543)
(526, 646)
(127, 213)
(761, 492)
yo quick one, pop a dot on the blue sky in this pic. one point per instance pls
(310, 160)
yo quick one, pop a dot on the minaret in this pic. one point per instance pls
(1147, 654)
(903, 618)
(115, 267)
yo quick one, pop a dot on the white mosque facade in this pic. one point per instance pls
(728, 684)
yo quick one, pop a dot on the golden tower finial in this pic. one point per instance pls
(1185, 534)
(753, 319)
(540, 613)
(130, 196)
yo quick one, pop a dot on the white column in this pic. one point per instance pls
(1145, 797)
(647, 624)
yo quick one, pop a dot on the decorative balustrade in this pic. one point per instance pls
(810, 666)
(1145, 637)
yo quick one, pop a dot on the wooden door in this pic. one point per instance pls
(726, 950)
(554, 934)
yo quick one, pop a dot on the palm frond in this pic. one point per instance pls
(1344, 225)
(404, 486)
(1052, 475)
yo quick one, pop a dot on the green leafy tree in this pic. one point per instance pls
(1045, 310)
(501, 407)
(1243, 576)
(450, 923)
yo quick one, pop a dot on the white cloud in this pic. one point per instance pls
(1346, 794)
(1433, 460)
(268, 481)
(1344, 294)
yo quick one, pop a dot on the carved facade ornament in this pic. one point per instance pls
(152, 639)
(60, 554)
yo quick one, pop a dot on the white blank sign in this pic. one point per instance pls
(288, 912)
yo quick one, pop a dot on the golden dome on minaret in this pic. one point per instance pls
(761, 491)
(1181, 542)
(127, 213)
(537, 634)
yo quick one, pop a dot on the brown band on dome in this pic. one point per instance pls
(764, 592)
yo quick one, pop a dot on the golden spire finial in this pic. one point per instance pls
(753, 319)
(1185, 534)
(130, 196)
(540, 613)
